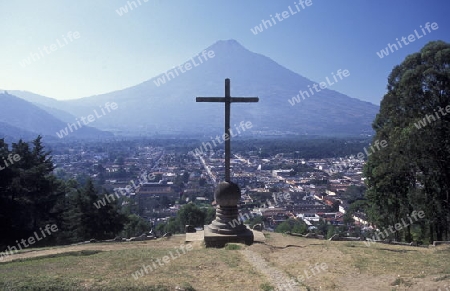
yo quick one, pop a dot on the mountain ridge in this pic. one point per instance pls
(171, 108)
(21, 119)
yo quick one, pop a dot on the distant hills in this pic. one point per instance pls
(23, 119)
(155, 107)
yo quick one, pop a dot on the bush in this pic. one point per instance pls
(292, 225)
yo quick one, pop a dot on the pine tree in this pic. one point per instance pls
(84, 221)
(28, 190)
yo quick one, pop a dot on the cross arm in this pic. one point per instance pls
(244, 99)
(210, 99)
(223, 99)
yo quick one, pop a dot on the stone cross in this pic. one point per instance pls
(227, 100)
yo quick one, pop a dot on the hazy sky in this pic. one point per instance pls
(107, 52)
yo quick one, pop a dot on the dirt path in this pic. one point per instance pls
(276, 277)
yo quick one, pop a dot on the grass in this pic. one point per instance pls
(230, 246)
(74, 254)
(90, 269)
(361, 267)
(266, 287)
(350, 266)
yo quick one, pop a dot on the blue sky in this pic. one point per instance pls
(113, 52)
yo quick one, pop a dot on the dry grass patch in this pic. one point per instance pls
(355, 266)
(351, 266)
(110, 267)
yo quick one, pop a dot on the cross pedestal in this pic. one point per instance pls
(227, 227)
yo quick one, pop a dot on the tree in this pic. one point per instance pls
(165, 202)
(357, 206)
(283, 227)
(29, 192)
(255, 220)
(110, 221)
(354, 193)
(32, 197)
(413, 171)
(190, 214)
(71, 214)
(299, 227)
(291, 225)
(348, 218)
(210, 215)
(84, 221)
(136, 226)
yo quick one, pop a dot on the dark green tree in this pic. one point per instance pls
(136, 226)
(191, 214)
(255, 220)
(283, 227)
(172, 225)
(355, 207)
(292, 225)
(29, 191)
(413, 171)
(83, 220)
(210, 215)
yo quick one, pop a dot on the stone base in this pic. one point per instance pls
(217, 240)
(198, 236)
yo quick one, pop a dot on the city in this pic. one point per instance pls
(157, 180)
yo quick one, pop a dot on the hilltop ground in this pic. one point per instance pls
(110, 266)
